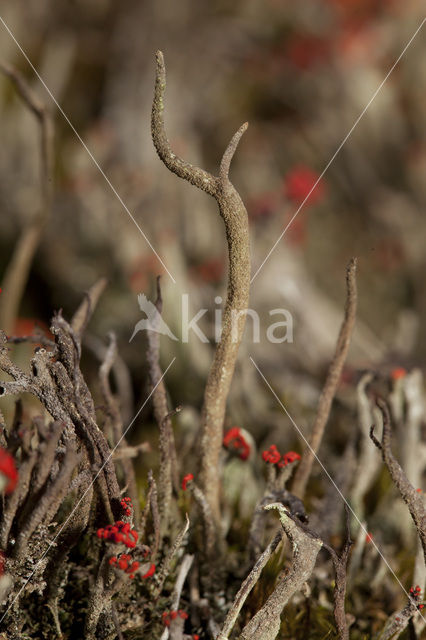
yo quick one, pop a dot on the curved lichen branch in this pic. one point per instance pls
(198, 177)
(411, 497)
(265, 624)
(234, 215)
(229, 152)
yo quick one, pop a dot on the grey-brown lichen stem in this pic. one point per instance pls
(330, 387)
(234, 215)
(198, 177)
(411, 497)
(247, 586)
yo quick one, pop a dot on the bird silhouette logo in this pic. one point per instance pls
(153, 321)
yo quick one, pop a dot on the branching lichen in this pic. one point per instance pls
(234, 215)
(411, 497)
(265, 624)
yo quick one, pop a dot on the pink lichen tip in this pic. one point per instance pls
(235, 442)
(8, 472)
(188, 478)
(119, 532)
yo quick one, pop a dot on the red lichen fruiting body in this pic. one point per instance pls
(186, 479)
(8, 470)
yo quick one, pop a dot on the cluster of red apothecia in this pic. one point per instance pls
(124, 562)
(127, 506)
(415, 592)
(169, 616)
(122, 533)
(119, 532)
(273, 456)
(129, 566)
(235, 442)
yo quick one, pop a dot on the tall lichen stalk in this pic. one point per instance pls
(330, 387)
(234, 215)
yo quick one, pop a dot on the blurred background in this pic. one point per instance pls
(301, 74)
